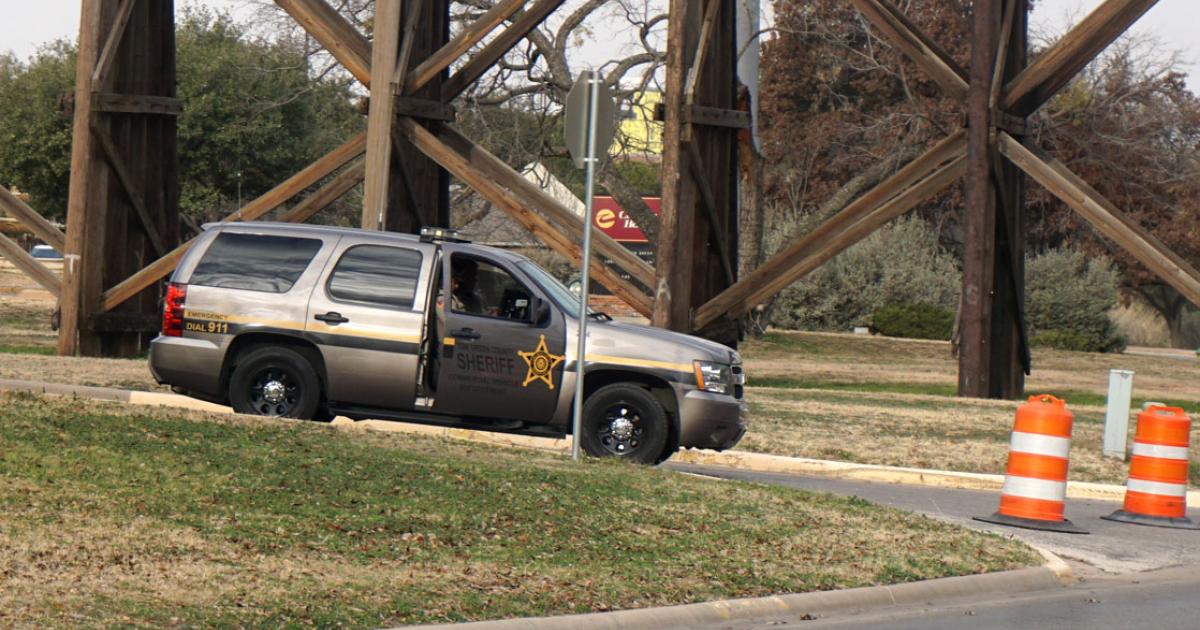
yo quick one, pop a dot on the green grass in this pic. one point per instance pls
(934, 389)
(109, 518)
(20, 349)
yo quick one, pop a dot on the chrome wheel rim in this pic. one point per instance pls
(274, 392)
(620, 431)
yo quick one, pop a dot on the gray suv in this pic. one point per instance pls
(312, 322)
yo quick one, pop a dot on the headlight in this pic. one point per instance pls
(714, 377)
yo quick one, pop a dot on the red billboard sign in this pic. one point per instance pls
(608, 217)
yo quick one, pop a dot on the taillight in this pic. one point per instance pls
(173, 310)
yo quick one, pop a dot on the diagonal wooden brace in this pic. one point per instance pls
(529, 194)
(30, 218)
(267, 202)
(497, 48)
(121, 170)
(462, 42)
(794, 262)
(30, 266)
(1105, 217)
(334, 33)
(460, 166)
(905, 35)
(100, 76)
(1055, 67)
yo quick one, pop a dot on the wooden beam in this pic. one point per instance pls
(461, 167)
(701, 175)
(334, 33)
(100, 77)
(121, 170)
(1055, 67)
(408, 38)
(481, 61)
(382, 114)
(425, 108)
(532, 196)
(1106, 218)
(904, 35)
(780, 271)
(327, 194)
(136, 104)
(711, 9)
(30, 218)
(462, 42)
(30, 266)
(716, 117)
(270, 200)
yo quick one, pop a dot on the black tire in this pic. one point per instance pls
(624, 421)
(275, 381)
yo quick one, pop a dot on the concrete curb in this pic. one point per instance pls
(767, 609)
(755, 462)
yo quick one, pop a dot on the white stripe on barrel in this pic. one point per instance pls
(1159, 451)
(1157, 487)
(1030, 488)
(1038, 444)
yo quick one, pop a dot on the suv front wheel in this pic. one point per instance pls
(275, 381)
(626, 421)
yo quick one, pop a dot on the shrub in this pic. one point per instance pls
(901, 263)
(915, 321)
(1067, 300)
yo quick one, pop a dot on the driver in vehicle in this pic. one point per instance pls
(464, 296)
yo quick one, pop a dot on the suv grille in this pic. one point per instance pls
(739, 381)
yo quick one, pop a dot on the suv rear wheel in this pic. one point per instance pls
(625, 421)
(275, 381)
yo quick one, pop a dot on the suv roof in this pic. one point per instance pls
(333, 230)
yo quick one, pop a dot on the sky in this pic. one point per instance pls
(30, 24)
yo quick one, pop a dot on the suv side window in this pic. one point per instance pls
(478, 287)
(376, 275)
(255, 262)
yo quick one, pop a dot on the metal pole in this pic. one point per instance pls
(589, 178)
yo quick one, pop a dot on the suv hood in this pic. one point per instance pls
(628, 335)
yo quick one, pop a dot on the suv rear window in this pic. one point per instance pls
(376, 275)
(255, 262)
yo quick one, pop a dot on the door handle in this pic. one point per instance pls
(465, 333)
(332, 318)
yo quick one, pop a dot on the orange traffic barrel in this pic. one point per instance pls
(1156, 493)
(1035, 484)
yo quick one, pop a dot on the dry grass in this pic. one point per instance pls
(109, 517)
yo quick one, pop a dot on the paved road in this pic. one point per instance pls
(1112, 547)
(1159, 585)
(1168, 598)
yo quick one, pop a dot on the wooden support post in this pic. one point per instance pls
(30, 218)
(270, 200)
(909, 39)
(460, 165)
(785, 267)
(418, 192)
(125, 178)
(334, 33)
(30, 265)
(1055, 67)
(382, 114)
(81, 284)
(102, 75)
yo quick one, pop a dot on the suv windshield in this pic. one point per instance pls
(562, 296)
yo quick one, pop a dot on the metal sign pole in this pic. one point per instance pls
(589, 179)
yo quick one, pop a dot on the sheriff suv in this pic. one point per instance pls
(312, 322)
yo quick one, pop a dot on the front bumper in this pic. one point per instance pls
(709, 420)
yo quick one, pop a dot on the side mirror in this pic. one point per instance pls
(541, 311)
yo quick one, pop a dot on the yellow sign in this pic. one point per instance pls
(606, 218)
(541, 364)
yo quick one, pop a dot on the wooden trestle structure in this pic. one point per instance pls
(122, 235)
